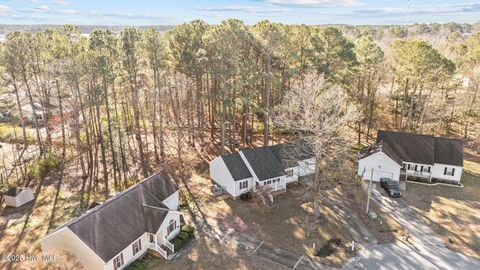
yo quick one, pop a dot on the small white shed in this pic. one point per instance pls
(17, 197)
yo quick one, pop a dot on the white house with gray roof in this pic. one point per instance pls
(122, 229)
(268, 167)
(401, 156)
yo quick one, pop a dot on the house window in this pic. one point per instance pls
(416, 167)
(426, 169)
(243, 185)
(408, 166)
(449, 171)
(118, 261)
(136, 247)
(289, 173)
(172, 226)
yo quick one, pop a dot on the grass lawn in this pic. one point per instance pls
(453, 213)
(21, 229)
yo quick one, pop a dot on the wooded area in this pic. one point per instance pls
(124, 103)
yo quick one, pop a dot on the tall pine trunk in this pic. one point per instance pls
(266, 100)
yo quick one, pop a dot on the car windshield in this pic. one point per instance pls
(393, 185)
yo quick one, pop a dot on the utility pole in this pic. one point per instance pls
(369, 191)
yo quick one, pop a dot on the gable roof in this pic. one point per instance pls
(379, 147)
(13, 192)
(449, 151)
(236, 166)
(264, 162)
(410, 147)
(424, 149)
(268, 161)
(110, 227)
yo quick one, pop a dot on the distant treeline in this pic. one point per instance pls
(84, 29)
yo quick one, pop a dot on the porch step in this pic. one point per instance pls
(266, 196)
(167, 250)
(160, 251)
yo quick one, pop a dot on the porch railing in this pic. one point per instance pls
(416, 173)
(259, 193)
(421, 174)
(169, 245)
(158, 249)
(270, 196)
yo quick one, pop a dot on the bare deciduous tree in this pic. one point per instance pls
(320, 114)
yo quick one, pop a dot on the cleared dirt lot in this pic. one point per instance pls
(453, 213)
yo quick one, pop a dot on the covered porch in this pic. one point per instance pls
(415, 174)
(160, 245)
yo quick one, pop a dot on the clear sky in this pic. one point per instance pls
(149, 12)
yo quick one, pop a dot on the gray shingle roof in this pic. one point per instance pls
(380, 147)
(290, 153)
(264, 162)
(449, 151)
(236, 166)
(110, 227)
(425, 149)
(13, 192)
(410, 147)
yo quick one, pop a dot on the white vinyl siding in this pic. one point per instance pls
(221, 175)
(136, 247)
(242, 185)
(170, 226)
(22, 198)
(64, 239)
(294, 174)
(382, 165)
(129, 256)
(172, 200)
(447, 172)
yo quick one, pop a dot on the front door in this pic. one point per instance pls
(152, 238)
